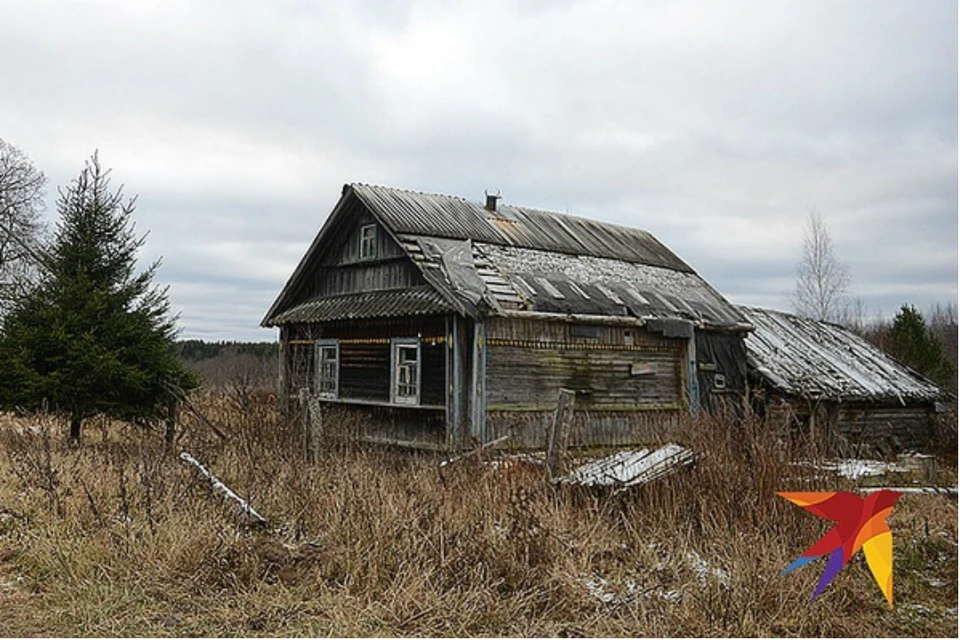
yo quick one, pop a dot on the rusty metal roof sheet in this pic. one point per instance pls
(815, 359)
(401, 302)
(427, 214)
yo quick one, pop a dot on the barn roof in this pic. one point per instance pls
(516, 259)
(813, 359)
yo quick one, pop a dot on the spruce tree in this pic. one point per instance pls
(95, 336)
(911, 342)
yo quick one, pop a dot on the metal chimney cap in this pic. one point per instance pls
(491, 204)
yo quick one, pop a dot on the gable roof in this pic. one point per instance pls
(815, 360)
(519, 259)
(442, 216)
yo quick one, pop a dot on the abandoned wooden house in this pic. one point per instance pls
(447, 324)
(818, 378)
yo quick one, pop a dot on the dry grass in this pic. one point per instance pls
(119, 538)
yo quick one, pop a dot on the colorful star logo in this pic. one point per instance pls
(861, 522)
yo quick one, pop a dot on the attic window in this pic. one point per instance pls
(579, 291)
(549, 288)
(368, 242)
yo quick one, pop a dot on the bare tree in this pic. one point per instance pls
(21, 202)
(822, 278)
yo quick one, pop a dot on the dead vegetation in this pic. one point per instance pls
(119, 537)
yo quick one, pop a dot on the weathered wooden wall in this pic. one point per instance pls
(623, 368)
(365, 371)
(854, 428)
(339, 270)
(528, 429)
(629, 382)
(886, 429)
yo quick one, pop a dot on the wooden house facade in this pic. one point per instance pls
(447, 324)
(812, 377)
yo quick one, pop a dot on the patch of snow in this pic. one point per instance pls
(601, 589)
(704, 571)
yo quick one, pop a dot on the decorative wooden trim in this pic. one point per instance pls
(536, 344)
(611, 408)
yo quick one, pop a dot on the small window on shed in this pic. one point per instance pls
(368, 241)
(719, 381)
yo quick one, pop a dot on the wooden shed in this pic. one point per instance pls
(818, 378)
(445, 323)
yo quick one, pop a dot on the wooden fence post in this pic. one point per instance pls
(304, 398)
(557, 434)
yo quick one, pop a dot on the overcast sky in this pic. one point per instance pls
(716, 126)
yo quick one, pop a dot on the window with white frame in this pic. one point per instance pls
(368, 241)
(328, 368)
(406, 371)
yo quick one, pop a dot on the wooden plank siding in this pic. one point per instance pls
(854, 428)
(886, 428)
(624, 368)
(629, 382)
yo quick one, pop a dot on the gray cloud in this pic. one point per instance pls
(716, 126)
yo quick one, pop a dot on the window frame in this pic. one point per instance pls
(364, 239)
(396, 344)
(319, 347)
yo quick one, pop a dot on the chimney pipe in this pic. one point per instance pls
(491, 200)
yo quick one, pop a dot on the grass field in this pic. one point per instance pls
(119, 537)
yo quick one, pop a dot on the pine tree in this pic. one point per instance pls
(95, 336)
(910, 341)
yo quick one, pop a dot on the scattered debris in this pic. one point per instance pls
(630, 468)
(243, 506)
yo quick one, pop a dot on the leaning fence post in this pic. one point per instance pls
(557, 434)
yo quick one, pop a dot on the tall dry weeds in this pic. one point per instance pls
(368, 541)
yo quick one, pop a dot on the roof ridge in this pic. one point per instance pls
(552, 212)
(405, 190)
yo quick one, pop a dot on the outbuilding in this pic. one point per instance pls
(818, 379)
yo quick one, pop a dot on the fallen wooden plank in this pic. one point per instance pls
(243, 506)
(630, 468)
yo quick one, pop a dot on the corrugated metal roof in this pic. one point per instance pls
(820, 360)
(371, 304)
(427, 214)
